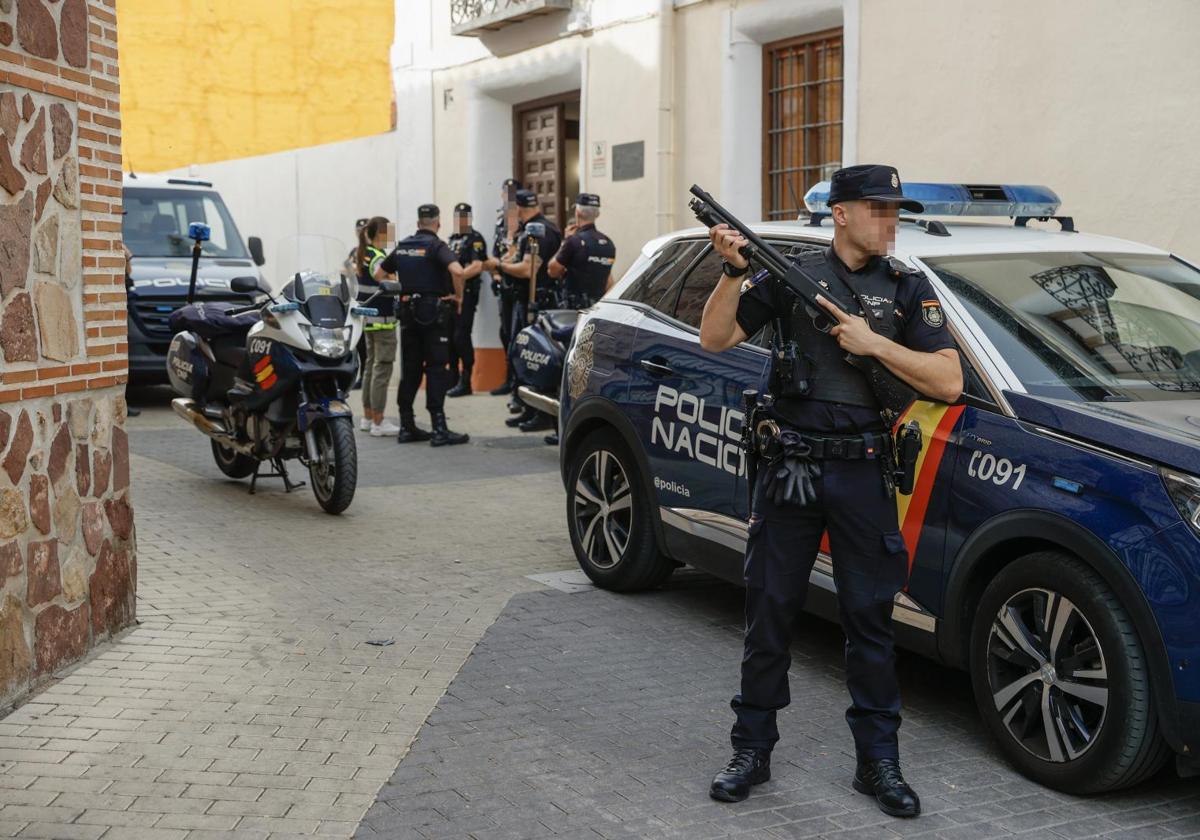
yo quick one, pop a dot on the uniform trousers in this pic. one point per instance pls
(870, 565)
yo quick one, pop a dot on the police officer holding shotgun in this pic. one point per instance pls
(826, 460)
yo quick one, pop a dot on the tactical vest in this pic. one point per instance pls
(416, 267)
(831, 378)
(587, 274)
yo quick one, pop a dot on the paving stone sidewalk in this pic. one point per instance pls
(247, 703)
(595, 715)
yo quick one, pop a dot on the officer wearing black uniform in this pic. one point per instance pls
(517, 268)
(471, 249)
(586, 257)
(431, 287)
(501, 286)
(826, 439)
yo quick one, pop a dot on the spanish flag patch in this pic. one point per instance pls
(264, 373)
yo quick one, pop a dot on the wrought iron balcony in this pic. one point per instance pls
(476, 17)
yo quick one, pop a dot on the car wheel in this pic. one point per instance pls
(1061, 679)
(231, 462)
(609, 517)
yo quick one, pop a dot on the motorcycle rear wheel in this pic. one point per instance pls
(334, 474)
(234, 464)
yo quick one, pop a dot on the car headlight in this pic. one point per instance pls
(331, 343)
(1184, 491)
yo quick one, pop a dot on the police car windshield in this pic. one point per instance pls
(156, 223)
(1087, 327)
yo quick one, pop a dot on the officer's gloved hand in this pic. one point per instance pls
(790, 477)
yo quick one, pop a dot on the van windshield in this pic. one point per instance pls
(1087, 327)
(156, 223)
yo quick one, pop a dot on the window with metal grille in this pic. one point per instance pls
(802, 118)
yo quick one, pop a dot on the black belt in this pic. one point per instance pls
(865, 446)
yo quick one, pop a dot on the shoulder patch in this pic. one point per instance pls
(932, 314)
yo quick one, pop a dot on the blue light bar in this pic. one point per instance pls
(963, 199)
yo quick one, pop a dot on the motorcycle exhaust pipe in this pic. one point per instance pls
(541, 402)
(189, 410)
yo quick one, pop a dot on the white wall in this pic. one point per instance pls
(317, 190)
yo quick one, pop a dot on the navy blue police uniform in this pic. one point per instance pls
(588, 256)
(467, 247)
(420, 264)
(548, 245)
(828, 402)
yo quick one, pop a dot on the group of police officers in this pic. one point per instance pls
(440, 287)
(823, 421)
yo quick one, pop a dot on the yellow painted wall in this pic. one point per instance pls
(212, 80)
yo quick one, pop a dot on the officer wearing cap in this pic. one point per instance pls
(502, 240)
(829, 424)
(431, 290)
(471, 249)
(517, 267)
(586, 257)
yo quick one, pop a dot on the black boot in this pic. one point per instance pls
(502, 390)
(410, 432)
(882, 779)
(551, 439)
(749, 766)
(442, 436)
(517, 419)
(538, 423)
(463, 388)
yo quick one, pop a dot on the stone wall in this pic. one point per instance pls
(67, 551)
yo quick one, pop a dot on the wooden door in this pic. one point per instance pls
(539, 155)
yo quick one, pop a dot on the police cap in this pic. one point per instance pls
(587, 200)
(428, 211)
(870, 182)
(527, 198)
(511, 182)
(462, 207)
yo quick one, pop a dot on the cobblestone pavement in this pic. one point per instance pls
(596, 715)
(247, 703)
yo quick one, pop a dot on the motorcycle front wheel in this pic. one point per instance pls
(334, 474)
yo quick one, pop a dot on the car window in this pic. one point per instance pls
(697, 287)
(656, 286)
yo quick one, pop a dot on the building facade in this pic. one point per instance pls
(68, 564)
(756, 100)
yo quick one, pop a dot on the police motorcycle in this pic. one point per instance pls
(268, 382)
(539, 350)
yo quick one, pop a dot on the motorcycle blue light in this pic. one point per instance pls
(963, 199)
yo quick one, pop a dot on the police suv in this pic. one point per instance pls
(1054, 529)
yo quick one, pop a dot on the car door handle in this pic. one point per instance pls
(656, 368)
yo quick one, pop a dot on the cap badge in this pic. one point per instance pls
(895, 181)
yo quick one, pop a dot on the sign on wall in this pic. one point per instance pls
(629, 161)
(599, 157)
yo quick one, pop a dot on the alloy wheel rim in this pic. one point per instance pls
(1048, 675)
(603, 509)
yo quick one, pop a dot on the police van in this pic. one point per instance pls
(1054, 529)
(158, 210)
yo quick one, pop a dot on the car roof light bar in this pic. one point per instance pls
(963, 199)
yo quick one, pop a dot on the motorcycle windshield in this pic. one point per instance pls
(313, 266)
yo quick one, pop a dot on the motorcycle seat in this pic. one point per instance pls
(560, 323)
(229, 349)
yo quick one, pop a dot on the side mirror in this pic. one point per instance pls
(389, 287)
(244, 285)
(256, 251)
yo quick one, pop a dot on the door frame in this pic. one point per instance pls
(559, 101)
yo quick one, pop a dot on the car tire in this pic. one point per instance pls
(231, 462)
(609, 517)
(1061, 679)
